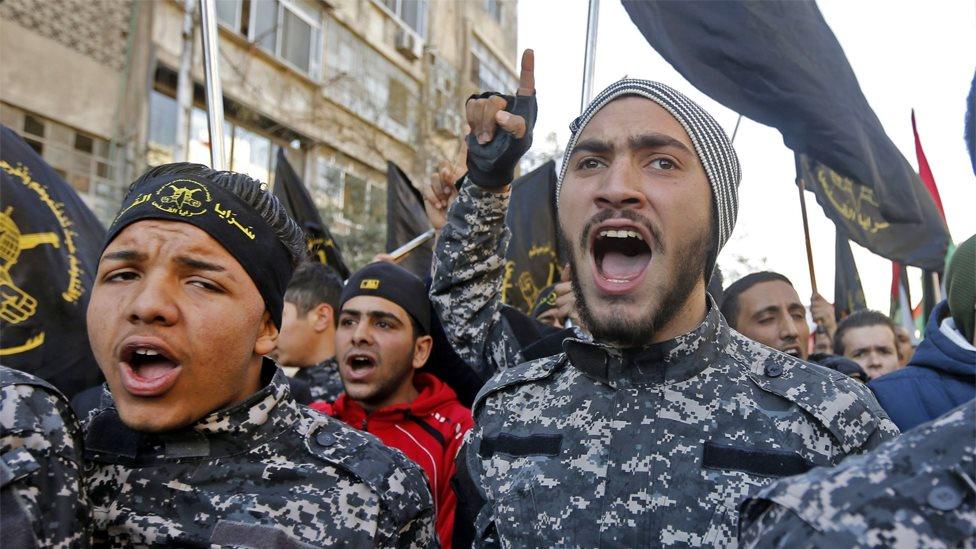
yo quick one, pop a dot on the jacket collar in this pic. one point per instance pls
(432, 393)
(259, 418)
(670, 361)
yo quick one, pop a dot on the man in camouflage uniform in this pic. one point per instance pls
(42, 499)
(652, 433)
(308, 328)
(916, 491)
(199, 442)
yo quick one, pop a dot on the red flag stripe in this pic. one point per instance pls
(924, 172)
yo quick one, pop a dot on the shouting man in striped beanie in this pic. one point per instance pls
(653, 432)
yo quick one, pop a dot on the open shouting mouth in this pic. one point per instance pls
(148, 368)
(359, 366)
(620, 253)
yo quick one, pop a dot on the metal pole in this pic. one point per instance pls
(589, 57)
(806, 226)
(184, 84)
(215, 95)
(735, 132)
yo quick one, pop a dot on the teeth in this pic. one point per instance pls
(147, 352)
(623, 233)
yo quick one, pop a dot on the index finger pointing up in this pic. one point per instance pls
(527, 77)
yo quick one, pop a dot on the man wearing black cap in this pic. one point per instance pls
(381, 341)
(651, 433)
(199, 442)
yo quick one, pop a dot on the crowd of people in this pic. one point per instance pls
(255, 399)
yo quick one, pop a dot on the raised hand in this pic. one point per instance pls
(493, 154)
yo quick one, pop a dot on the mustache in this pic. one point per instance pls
(630, 215)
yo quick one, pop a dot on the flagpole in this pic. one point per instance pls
(215, 95)
(589, 55)
(806, 225)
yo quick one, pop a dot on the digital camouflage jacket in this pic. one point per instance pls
(469, 268)
(916, 491)
(264, 473)
(597, 447)
(323, 380)
(43, 501)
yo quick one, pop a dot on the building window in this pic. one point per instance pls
(247, 151)
(488, 72)
(80, 158)
(351, 202)
(362, 80)
(494, 8)
(288, 29)
(413, 13)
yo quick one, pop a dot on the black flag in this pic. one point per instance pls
(848, 293)
(406, 220)
(49, 247)
(855, 211)
(533, 261)
(292, 193)
(777, 62)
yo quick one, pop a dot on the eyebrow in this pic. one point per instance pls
(125, 255)
(199, 264)
(635, 142)
(371, 314)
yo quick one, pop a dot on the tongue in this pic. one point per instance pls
(154, 369)
(622, 266)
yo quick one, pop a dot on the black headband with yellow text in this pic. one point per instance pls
(222, 215)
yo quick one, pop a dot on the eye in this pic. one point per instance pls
(206, 285)
(120, 276)
(588, 163)
(766, 320)
(663, 164)
(346, 321)
(382, 324)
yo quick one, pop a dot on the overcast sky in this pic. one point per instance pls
(906, 54)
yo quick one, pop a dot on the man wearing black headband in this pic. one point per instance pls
(381, 342)
(199, 441)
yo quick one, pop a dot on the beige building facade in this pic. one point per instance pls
(343, 86)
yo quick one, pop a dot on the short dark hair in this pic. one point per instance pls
(861, 319)
(730, 298)
(251, 191)
(314, 283)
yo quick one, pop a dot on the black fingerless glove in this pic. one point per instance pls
(492, 165)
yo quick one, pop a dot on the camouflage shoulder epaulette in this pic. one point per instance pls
(9, 376)
(523, 373)
(844, 407)
(394, 478)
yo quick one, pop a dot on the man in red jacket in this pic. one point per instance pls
(381, 341)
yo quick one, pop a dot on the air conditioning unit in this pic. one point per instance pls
(408, 44)
(446, 123)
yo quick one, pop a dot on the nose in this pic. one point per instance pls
(620, 188)
(152, 302)
(787, 329)
(874, 359)
(362, 335)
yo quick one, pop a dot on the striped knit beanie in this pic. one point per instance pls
(711, 144)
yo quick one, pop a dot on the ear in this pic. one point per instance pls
(421, 351)
(324, 317)
(267, 337)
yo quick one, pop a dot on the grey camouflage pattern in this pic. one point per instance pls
(596, 447)
(323, 380)
(262, 470)
(469, 267)
(916, 491)
(40, 443)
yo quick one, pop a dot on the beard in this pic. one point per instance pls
(390, 381)
(671, 291)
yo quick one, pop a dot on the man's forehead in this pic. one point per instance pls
(874, 334)
(770, 292)
(371, 304)
(631, 116)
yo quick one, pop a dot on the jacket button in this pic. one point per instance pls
(325, 439)
(774, 370)
(944, 498)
